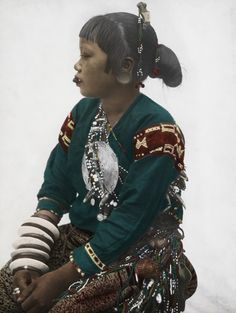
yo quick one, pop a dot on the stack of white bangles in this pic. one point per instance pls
(37, 236)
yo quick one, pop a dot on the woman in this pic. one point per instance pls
(118, 169)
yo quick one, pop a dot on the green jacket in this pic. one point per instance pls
(142, 196)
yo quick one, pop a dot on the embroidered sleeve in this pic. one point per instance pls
(57, 193)
(160, 139)
(66, 132)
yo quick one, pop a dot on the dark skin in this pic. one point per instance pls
(115, 96)
(38, 293)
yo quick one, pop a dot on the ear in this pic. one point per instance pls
(127, 65)
(125, 75)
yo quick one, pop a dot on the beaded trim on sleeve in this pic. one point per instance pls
(160, 139)
(66, 132)
(94, 257)
(78, 269)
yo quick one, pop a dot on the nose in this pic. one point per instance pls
(77, 66)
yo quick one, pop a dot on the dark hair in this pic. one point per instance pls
(117, 35)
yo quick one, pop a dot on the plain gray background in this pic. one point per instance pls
(38, 48)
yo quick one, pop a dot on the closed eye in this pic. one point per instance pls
(84, 55)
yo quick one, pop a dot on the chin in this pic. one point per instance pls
(86, 93)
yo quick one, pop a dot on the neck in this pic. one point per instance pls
(119, 100)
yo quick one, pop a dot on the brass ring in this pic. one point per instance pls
(16, 291)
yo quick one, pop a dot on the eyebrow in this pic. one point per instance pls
(84, 47)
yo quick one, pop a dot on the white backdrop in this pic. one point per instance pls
(38, 47)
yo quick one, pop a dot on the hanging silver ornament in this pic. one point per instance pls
(108, 164)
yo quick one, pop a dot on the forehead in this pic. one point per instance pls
(90, 45)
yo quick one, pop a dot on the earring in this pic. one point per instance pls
(139, 85)
(124, 77)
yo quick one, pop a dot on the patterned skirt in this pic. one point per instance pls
(159, 281)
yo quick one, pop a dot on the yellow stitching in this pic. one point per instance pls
(158, 149)
(179, 150)
(94, 257)
(71, 125)
(175, 150)
(168, 128)
(66, 140)
(168, 148)
(141, 143)
(151, 129)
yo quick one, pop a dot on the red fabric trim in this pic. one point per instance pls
(66, 132)
(160, 139)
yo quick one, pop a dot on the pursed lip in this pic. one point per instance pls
(77, 80)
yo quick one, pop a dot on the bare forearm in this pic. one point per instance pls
(67, 274)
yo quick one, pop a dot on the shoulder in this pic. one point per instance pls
(80, 112)
(83, 107)
(147, 112)
(157, 133)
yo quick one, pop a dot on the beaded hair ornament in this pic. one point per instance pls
(143, 22)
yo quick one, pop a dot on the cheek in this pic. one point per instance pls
(98, 75)
(91, 67)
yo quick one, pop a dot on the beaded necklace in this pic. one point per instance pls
(100, 167)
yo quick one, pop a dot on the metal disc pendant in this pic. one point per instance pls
(108, 163)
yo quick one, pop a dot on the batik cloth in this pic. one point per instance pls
(158, 280)
(102, 293)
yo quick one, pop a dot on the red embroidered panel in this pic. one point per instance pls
(160, 139)
(66, 132)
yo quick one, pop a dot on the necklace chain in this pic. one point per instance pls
(99, 132)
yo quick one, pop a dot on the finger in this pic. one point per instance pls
(19, 284)
(37, 309)
(21, 280)
(30, 304)
(26, 292)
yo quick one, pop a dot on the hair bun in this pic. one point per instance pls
(169, 67)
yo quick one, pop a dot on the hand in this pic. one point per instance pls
(40, 295)
(22, 279)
